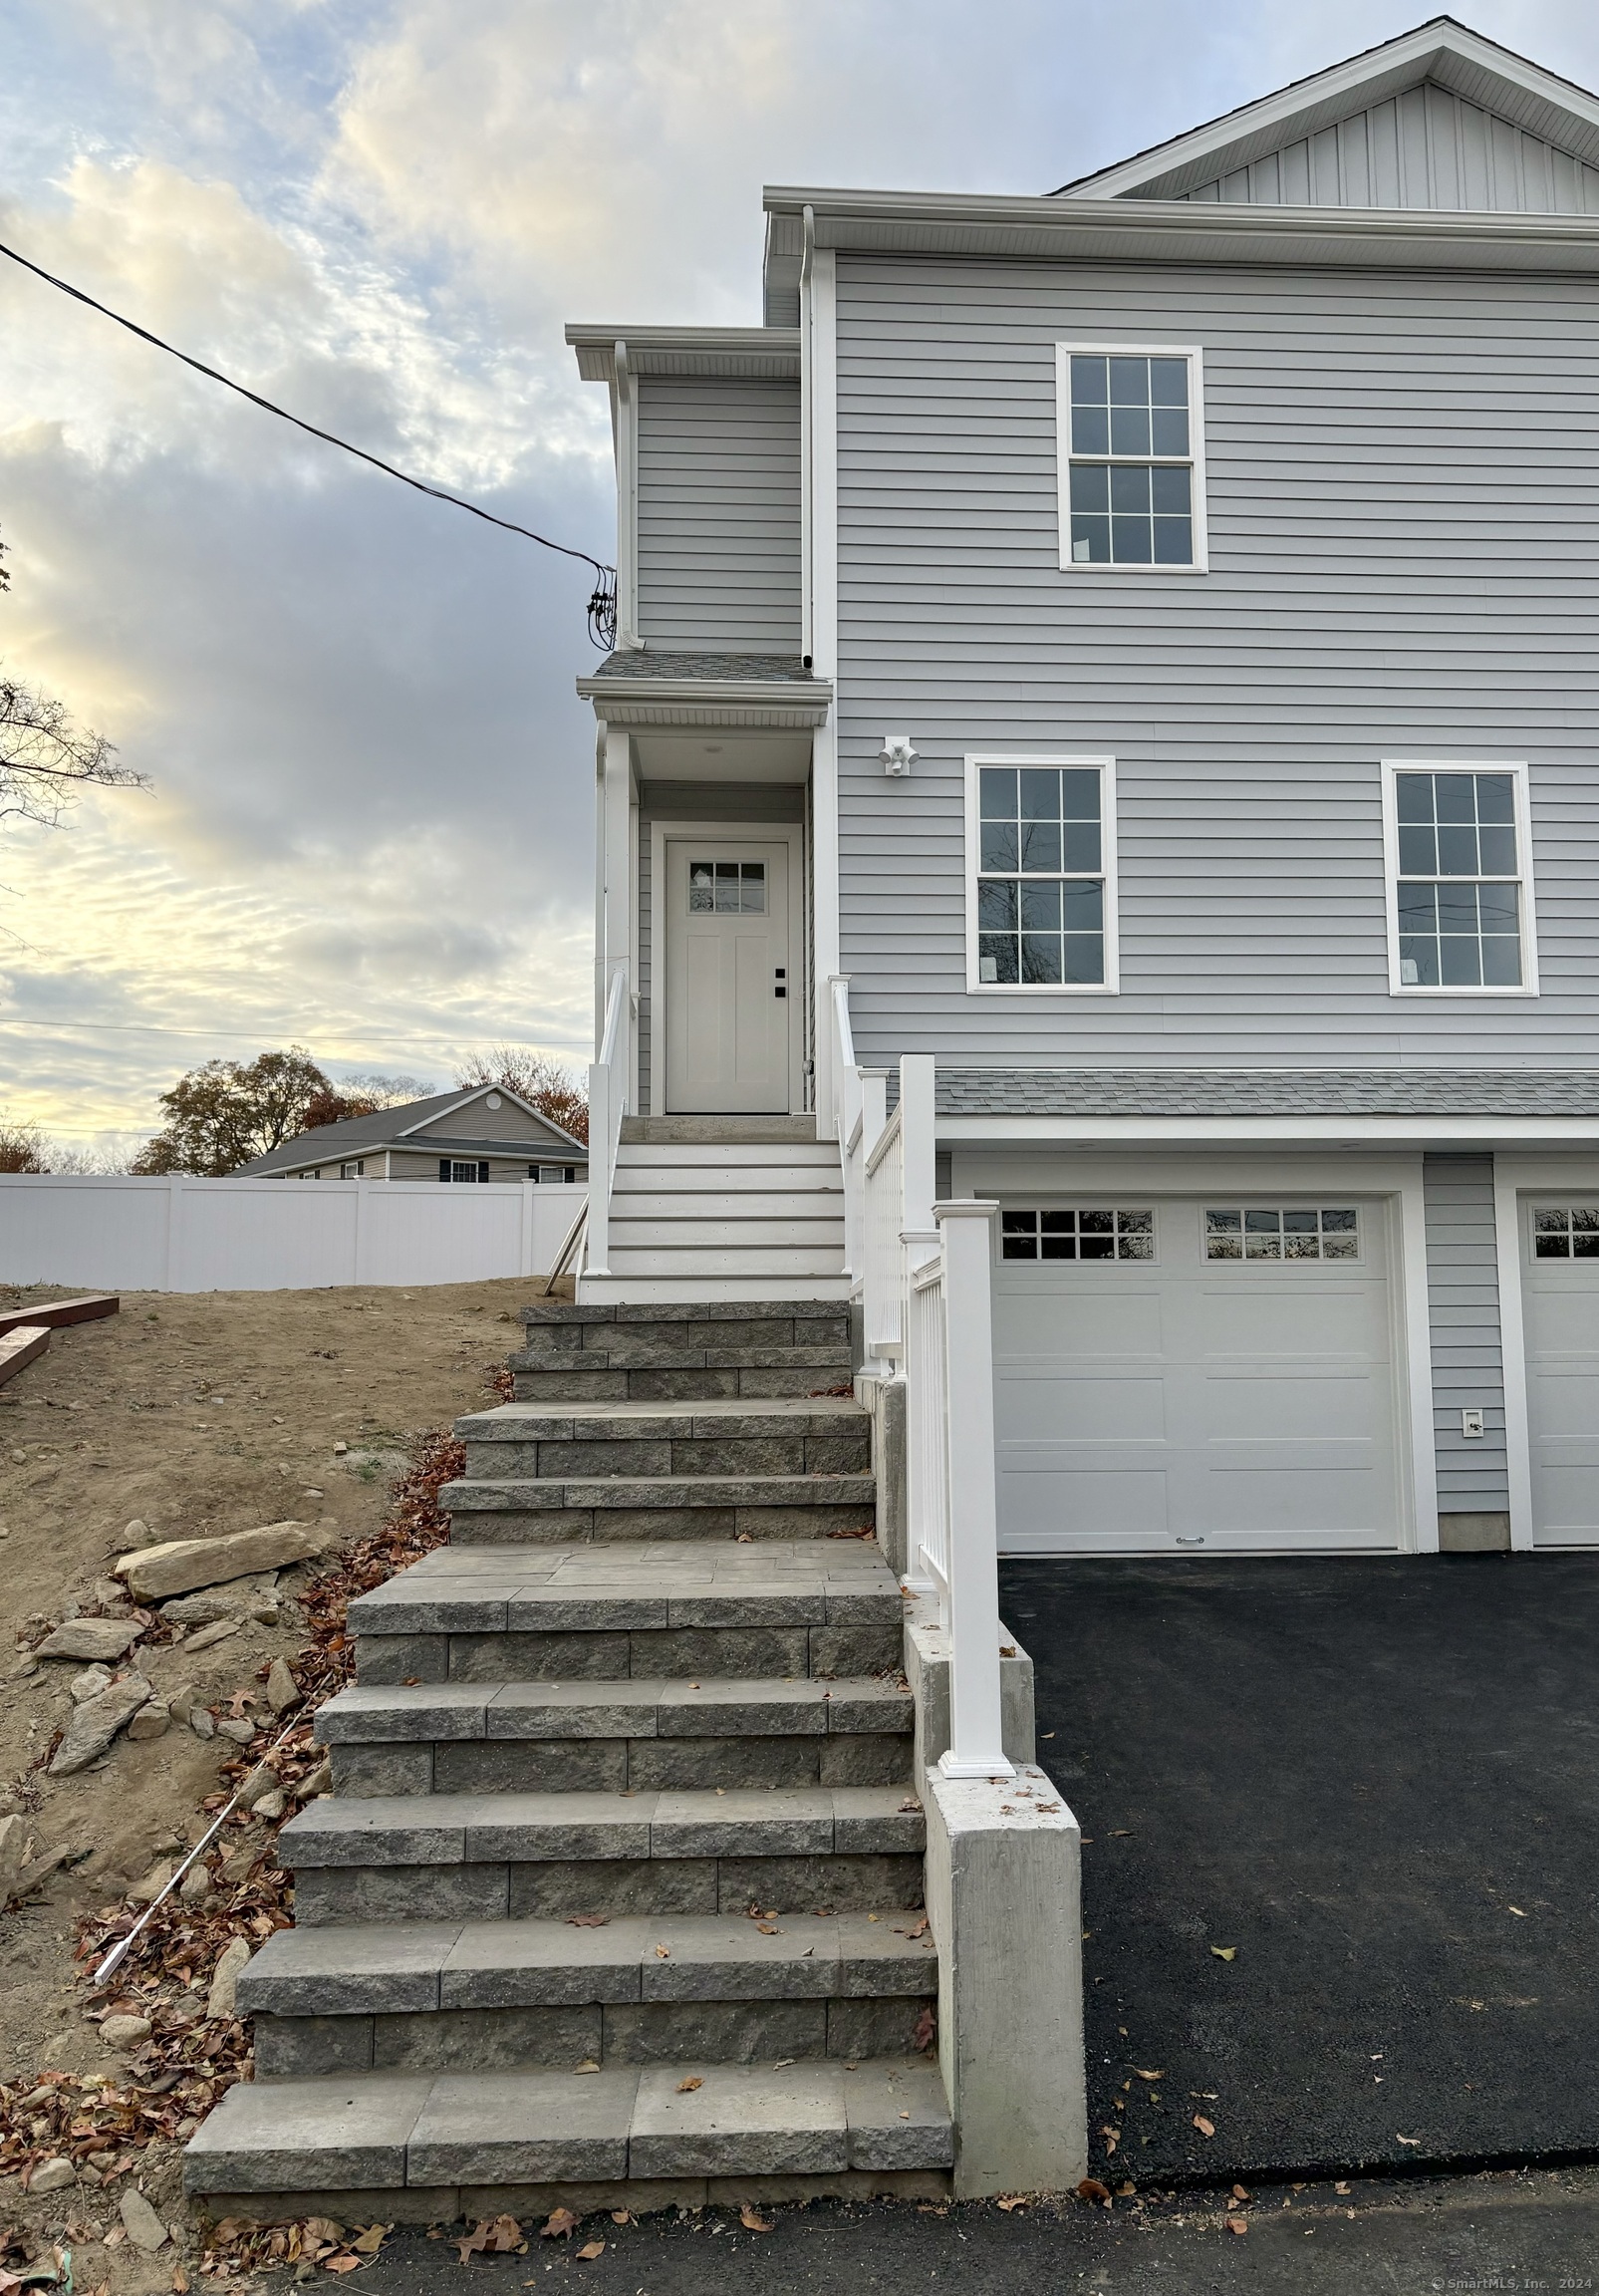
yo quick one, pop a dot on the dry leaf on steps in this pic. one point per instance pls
(341, 2264)
(1094, 2192)
(663, 1953)
(1009, 2201)
(1225, 1952)
(1206, 2128)
(588, 1920)
(693, 2081)
(368, 2242)
(590, 2249)
(1238, 2223)
(621, 2216)
(559, 2226)
(1143, 2075)
(1239, 2192)
(752, 2220)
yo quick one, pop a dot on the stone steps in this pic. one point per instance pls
(828, 1435)
(625, 1507)
(689, 1350)
(466, 1737)
(460, 2143)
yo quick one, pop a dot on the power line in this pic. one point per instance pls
(602, 604)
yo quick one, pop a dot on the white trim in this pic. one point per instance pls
(819, 320)
(665, 832)
(1517, 768)
(1193, 460)
(1394, 1180)
(1515, 1177)
(1314, 1132)
(1106, 767)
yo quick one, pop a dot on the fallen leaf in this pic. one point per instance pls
(621, 2216)
(340, 2264)
(1239, 2192)
(693, 2082)
(560, 2226)
(368, 2242)
(1009, 2201)
(919, 1929)
(1094, 2192)
(1516, 1910)
(179, 2281)
(1238, 2223)
(1120, 1833)
(472, 2243)
(1206, 2128)
(590, 2249)
(663, 1953)
(1340, 2187)
(1126, 2192)
(587, 1920)
(588, 2065)
(752, 2220)
(1407, 2140)
(1224, 1952)
(1143, 2075)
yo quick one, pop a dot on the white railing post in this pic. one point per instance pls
(976, 1741)
(927, 1513)
(918, 1135)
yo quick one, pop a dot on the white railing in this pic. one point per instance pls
(922, 1274)
(608, 1104)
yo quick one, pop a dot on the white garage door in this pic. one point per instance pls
(1210, 1375)
(1560, 1307)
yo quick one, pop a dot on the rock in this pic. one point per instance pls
(136, 1532)
(209, 1635)
(233, 1604)
(261, 1782)
(282, 1690)
(27, 1664)
(316, 1781)
(144, 2228)
(271, 1805)
(124, 2032)
(339, 1450)
(238, 1729)
(146, 1891)
(13, 1847)
(150, 1721)
(197, 1882)
(51, 2176)
(95, 1723)
(181, 1565)
(88, 1685)
(233, 1960)
(99, 1638)
(109, 1593)
(201, 1722)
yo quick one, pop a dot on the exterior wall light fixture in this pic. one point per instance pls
(897, 752)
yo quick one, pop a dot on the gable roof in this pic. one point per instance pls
(1441, 51)
(407, 1127)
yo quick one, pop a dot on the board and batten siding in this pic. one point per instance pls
(1404, 514)
(720, 515)
(1463, 1289)
(1426, 148)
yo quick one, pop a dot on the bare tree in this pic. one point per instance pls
(45, 760)
(546, 1084)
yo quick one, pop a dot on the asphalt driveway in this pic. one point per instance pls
(1341, 1882)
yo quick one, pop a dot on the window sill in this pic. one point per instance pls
(1423, 996)
(1042, 989)
(1102, 566)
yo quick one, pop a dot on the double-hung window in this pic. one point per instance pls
(1041, 873)
(1130, 460)
(1460, 878)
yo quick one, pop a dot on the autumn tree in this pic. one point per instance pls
(545, 1084)
(360, 1096)
(220, 1115)
(23, 1147)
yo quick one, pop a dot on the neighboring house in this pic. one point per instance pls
(485, 1133)
(1137, 647)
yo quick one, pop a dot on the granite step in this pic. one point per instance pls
(496, 1996)
(487, 1737)
(755, 1349)
(799, 1435)
(630, 1507)
(458, 2144)
(496, 1857)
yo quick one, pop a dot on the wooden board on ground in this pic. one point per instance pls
(20, 1348)
(56, 1313)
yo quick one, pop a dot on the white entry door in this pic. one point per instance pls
(731, 992)
(1208, 1376)
(1560, 1307)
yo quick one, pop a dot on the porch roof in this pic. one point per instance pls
(965, 1091)
(770, 691)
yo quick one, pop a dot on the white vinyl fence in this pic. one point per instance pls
(119, 1233)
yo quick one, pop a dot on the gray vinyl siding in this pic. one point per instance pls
(1463, 1285)
(1428, 147)
(720, 515)
(1403, 505)
(736, 802)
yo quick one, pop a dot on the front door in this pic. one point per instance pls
(730, 987)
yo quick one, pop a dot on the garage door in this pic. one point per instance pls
(1206, 1375)
(1560, 1307)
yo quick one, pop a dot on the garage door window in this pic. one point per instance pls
(1569, 1233)
(1077, 1235)
(1279, 1232)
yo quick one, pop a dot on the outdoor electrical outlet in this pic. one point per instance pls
(1471, 1422)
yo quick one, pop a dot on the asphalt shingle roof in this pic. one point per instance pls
(966, 1091)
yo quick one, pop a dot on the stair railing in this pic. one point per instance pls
(608, 1104)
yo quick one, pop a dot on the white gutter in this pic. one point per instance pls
(1245, 1130)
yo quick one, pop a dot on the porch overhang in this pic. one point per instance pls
(762, 692)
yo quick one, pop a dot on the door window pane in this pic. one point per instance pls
(1282, 1232)
(727, 888)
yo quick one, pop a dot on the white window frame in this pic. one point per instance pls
(1192, 353)
(1516, 768)
(1106, 768)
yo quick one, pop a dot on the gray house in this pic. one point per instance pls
(1140, 642)
(485, 1132)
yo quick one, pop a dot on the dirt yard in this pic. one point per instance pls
(183, 1415)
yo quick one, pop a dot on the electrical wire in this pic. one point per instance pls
(603, 602)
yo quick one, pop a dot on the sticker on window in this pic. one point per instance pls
(1260, 1231)
(1570, 1232)
(1077, 1235)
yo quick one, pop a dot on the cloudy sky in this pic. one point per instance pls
(372, 785)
